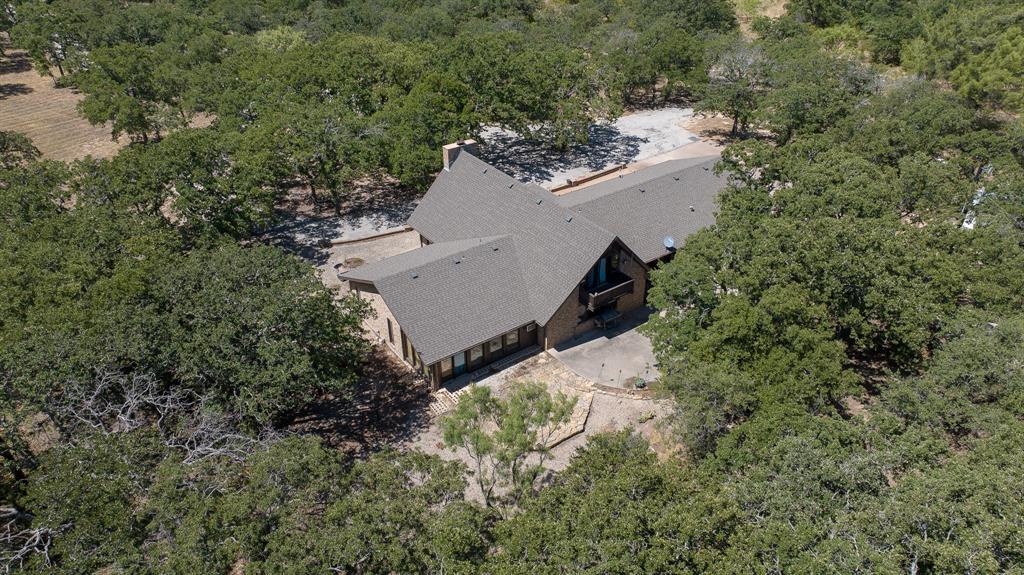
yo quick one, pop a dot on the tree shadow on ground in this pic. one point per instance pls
(14, 63)
(306, 228)
(389, 406)
(384, 203)
(717, 129)
(305, 236)
(533, 161)
(8, 90)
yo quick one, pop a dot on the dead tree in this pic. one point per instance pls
(18, 542)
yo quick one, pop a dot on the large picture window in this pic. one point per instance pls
(476, 356)
(494, 345)
(512, 339)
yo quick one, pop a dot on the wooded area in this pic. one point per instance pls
(845, 347)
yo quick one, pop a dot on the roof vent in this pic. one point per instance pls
(691, 208)
(494, 249)
(676, 178)
(568, 218)
(669, 242)
(415, 275)
(642, 190)
(457, 261)
(705, 168)
(539, 200)
(511, 185)
(485, 170)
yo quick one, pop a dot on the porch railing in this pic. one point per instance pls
(618, 285)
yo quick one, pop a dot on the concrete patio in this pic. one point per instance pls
(612, 357)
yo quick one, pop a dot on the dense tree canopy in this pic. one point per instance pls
(843, 347)
(390, 76)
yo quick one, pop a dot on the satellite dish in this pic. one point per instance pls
(670, 243)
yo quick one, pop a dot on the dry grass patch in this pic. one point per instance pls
(747, 10)
(30, 104)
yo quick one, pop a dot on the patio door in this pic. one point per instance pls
(460, 363)
(598, 274)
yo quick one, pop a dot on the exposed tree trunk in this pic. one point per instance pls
(312, 191)
(16, 472)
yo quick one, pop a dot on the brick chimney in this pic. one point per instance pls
(452, 151)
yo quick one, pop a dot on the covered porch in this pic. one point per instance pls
(484, 358)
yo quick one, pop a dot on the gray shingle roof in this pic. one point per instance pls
(412, 260)
(521, 250)
(556, 246)
(643, 207)
(453, 295)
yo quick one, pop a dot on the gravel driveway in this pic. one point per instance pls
(630, 138)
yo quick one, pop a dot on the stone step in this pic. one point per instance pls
(442, 401)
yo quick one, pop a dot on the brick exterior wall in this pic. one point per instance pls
(635, 269)
(377, 323)
(565, 323)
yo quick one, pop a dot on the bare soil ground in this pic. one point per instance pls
(608, 412)
(372, 196)
(712, 128)
(306, 227)
(30, 104)
(388, 407)
(747, 10)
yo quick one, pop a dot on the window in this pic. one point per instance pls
(615, 258)
(446, 368)
(391, 332)
(512, 339)
(494, 345)
(476, 355)
(597, 274)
